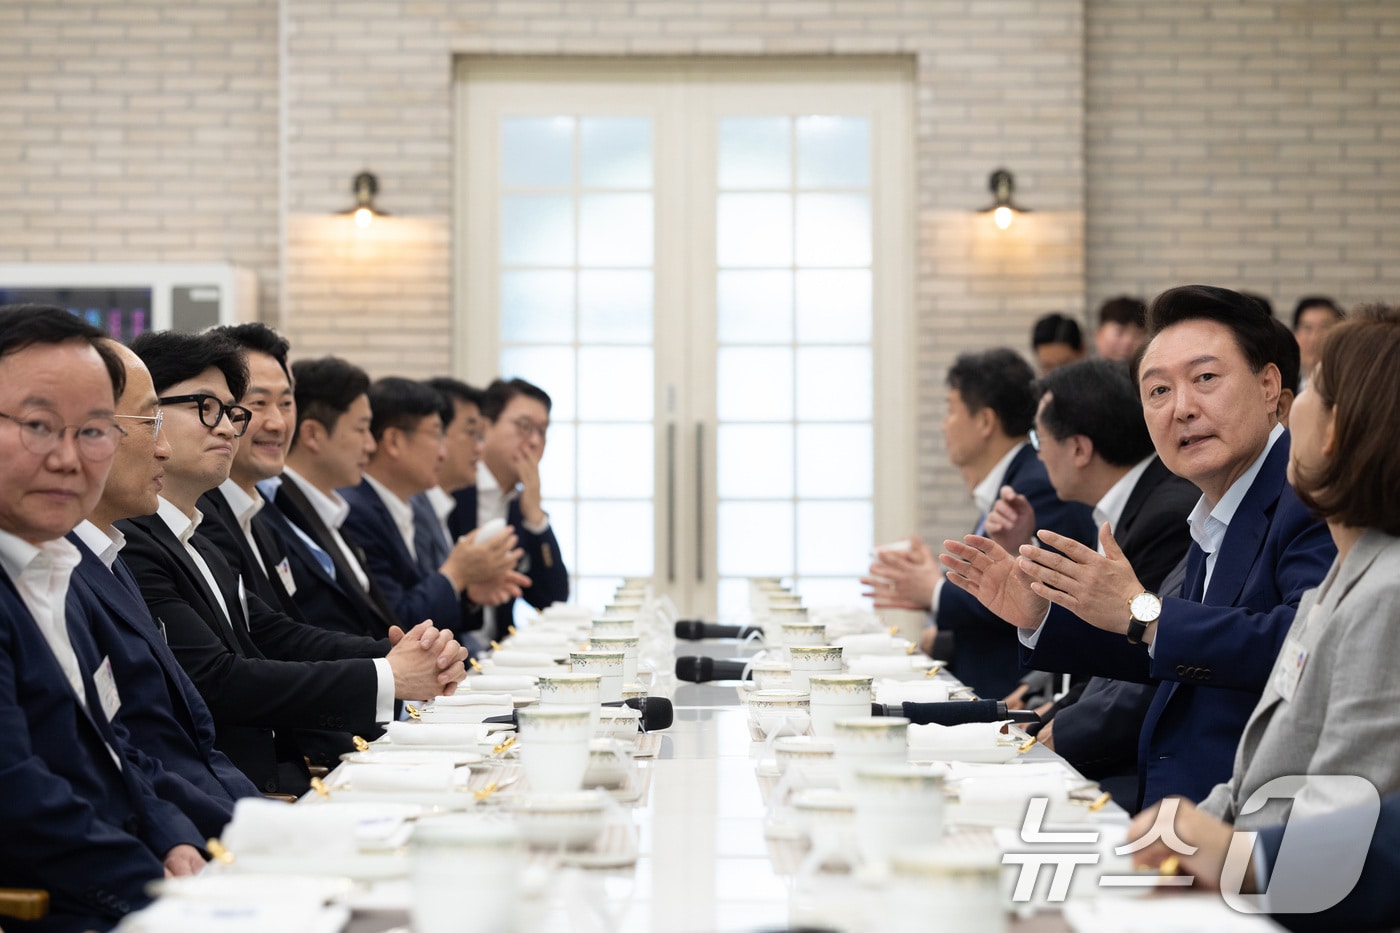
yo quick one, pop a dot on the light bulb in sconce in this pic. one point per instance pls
(365, 186)
(1003, 209)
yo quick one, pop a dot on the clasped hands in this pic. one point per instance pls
(427, 661)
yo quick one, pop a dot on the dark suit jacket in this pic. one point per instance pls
(265, 671)
(1374, 903)
(413, 594)
(161, 710)
(1213, 651)
(1098, 734)
(335, 602)
(220, 527)
(986, 652)
(90, 833)
(542, 563)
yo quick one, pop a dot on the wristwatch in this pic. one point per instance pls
(1143, 610)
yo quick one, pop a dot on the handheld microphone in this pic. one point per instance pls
(700, 670)
(695, 630)
(657, 713)
(954, 712)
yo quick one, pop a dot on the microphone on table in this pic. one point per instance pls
(657, 713)
(700, 670)
(954, 712)
(695, 630)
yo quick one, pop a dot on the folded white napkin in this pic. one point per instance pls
(267, 827)
(513, 658)
(967, 735)
(474, 713)
(426, 777)
(928, 690)
(570, 611)
(179, 915)
(499, 683)
(874, 665)
(1012, 789)
(854, 646)
(472, 698)
(426, 733)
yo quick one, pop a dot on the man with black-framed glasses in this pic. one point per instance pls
(249, 660)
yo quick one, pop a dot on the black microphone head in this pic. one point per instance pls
(695, 670)
(690, 630)
(657, 712)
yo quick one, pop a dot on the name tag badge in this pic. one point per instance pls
(1289, 669)
(284, 573)
(107, 688)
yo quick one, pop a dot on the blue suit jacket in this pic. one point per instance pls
(90, 833)
(542, 563)
(1213, 651)
(1374, 903)
(986, 652)
(331, 599)
(412, 594)
(161, 709)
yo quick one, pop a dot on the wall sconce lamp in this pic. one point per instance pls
(1004, 209)
(365, 186)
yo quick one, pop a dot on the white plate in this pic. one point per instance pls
(412, 755)
(231, 885)
(436, 799)
(354, 867)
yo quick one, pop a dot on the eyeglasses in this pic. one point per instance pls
(40, 433)
(525, 427)
(156, 420)
(212, 411)
(1035, 440)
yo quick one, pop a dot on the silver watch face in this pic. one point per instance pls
(1145, 607)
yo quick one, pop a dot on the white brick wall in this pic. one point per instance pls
(1240, 143)
(140, 130)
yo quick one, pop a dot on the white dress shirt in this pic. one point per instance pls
(1208, 525)
(41, 575)
(1110, 507)
(183, 527)
(106, 545)
(332, 511)
(399, 510)
(244, 508)
(443, 505)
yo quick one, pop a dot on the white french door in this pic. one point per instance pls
(707, 269)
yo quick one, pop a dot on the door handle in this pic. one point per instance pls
(671, 502)
(700, 502)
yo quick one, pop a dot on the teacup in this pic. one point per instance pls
(627, 644)
(615, 628)
(572, 690)
(566, 821)
(801, 632)
(828, 817)
(896, 805)
(808, 660)
(837, 696)
(446, 849)
(634, 692)
(803, 751)
(554, 746)
(780, 712)
(605, 664)
(618, 722)
(608, 764)
(867, 739)
(961, 886)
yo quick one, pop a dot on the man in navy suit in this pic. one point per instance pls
(80, 819)
(1210, 391)
(161, 708)
(407, 428)
(516, 415)
(1091, 436)
(263, 674)
(462, 436)
(985, 428)
(328, 449)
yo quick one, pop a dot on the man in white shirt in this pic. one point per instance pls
(985, 428)
(77, 822)
(406, 424)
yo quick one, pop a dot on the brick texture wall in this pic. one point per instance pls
(140, 131)
(1243, 143)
